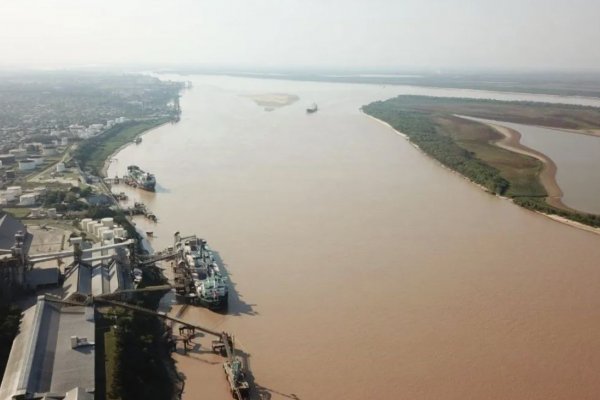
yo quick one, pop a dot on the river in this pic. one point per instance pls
(361, 268)
(577, 158)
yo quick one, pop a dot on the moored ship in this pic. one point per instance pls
(139, 178)
(207, 286)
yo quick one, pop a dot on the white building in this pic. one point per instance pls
(60, 167)
(18, 152)
(27, 165)
(15, 190)
(27, 199)
(39, 160)
(105, 229)
(49, 151)
(8, 197)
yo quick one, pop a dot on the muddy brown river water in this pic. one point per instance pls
(361, 268)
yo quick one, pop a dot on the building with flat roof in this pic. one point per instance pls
(53, 355)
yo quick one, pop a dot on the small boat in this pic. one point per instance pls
(312, 109)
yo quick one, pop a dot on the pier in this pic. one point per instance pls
(141, 209)
(223, 344)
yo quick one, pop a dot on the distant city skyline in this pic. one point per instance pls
(291, 34)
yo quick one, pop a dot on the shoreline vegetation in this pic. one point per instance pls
(94, 156)
(136, 354)
(94, 153)
(551, 84)
(512, 141)
(488, 154)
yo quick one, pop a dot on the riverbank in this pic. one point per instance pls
(511, 140)
(198, 371)
(554, 208)
(106, 162)
(94, 153)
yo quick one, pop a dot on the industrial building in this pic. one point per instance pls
(110, 273)
(7, 159)
(27, 164)
(28, 199)
(53, 355)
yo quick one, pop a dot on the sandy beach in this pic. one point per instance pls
(273, 100)
(511, 141)
(304, 211)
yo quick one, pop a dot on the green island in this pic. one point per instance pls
(468, 146)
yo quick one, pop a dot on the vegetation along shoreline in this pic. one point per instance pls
(471, 148)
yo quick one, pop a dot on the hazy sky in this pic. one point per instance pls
(547, 34)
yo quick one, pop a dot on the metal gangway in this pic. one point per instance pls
(160, 256)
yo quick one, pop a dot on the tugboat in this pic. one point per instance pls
(312, 109)
(136, 177)
(212, 290)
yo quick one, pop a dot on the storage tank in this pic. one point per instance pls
(120, 232)
(84, 223)
(27, 199)
(38, 160)
(7, 159)
(16, 190)
(92, 227)
(49, 151)
(9, 196)
(27, 165)
(18, 152)
(98, 229)
(107, 235)
(103, 229)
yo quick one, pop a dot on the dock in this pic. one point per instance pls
(141, 209)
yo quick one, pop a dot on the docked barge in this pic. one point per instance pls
(137, 177)
(198, 277)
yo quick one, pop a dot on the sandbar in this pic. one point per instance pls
(273, 100)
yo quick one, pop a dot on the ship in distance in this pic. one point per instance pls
(139, 178)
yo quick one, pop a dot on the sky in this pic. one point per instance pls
(280, 34)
